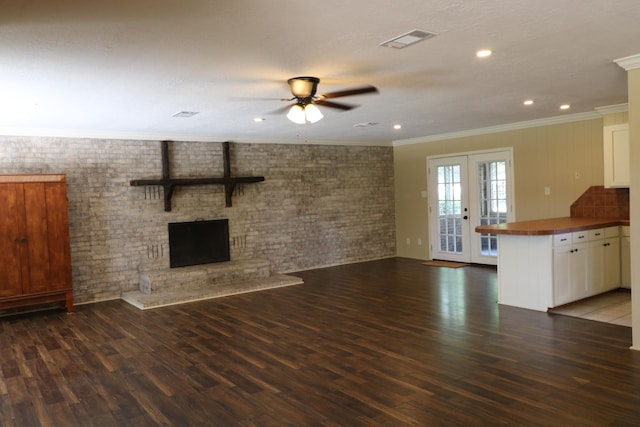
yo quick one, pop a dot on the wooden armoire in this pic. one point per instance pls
(35, 255)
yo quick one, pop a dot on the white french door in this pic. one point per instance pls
(466, 191)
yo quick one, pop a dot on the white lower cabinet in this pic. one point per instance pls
(570, 270)
(625, 257)
(539, 272)
(585, 263)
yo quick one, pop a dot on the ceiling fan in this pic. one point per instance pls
(304, 90)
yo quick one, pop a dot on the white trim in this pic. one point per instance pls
(612, 109)
(472, 153)
(501, 128)
(467, 154)
(629, 62)
(156, 136)
(153, 136)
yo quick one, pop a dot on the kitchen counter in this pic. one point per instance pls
(542, 227)
(549, 262)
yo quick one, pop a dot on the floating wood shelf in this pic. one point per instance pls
(169, 184)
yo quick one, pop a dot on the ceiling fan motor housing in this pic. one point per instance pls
(304, 88)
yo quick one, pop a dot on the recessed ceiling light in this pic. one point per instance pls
(259, 119)
(565, 106)
(483, 53)
(397, 127)
(528, 102)
(185, 114)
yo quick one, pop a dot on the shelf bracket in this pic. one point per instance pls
(169, 184)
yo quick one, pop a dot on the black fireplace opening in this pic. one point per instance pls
(198, 242)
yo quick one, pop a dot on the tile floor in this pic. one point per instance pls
(610, 307)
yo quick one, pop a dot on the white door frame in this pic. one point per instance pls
(473, 242)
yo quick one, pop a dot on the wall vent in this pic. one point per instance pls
(408, 39)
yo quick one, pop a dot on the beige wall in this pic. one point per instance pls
(543, 156)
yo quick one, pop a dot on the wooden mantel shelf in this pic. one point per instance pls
(169, 184)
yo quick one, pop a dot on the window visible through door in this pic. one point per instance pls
(492, 180)
(467, 191)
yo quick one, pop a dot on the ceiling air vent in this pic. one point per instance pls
(407, 39)
(365, 124)
(185, 114)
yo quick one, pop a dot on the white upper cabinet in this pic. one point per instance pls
(616, 155)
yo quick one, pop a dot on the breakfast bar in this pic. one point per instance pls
(550, 262)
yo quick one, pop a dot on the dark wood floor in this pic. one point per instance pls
(384, 343)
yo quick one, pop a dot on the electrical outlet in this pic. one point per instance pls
(408, 241)
(419, 241)
(547, 191)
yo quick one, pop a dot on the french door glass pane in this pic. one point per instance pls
(450, 209)
(492, 180)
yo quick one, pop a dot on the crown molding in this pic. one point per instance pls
(629, 62)
(613, 109)
(152, 136)
(502, 128)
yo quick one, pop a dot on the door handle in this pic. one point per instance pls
(465, 217)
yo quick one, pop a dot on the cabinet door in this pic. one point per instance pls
(561, 281)
(58, 241)
(612, 276)
(11, 229)
(47, 237)
(625, 262)
(616, 156)
(579, 271)
(37, 235)
(596, 267)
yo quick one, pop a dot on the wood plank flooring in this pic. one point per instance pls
(382, 343)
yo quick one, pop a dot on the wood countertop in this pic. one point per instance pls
(542, 227)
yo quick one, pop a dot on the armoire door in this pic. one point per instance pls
(11, 204)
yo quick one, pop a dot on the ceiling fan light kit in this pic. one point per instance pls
(302, 114)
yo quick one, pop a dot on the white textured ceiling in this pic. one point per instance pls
(124, 67)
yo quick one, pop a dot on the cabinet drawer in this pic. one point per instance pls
(562, 239)
(626, 230)
(597, 234)
(581, 236)
(611, 232)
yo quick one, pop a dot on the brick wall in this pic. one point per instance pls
(318, 206)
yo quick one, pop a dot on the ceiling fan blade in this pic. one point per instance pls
(249, 98)
(281, 109)
(330, 104)
(350, 92)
